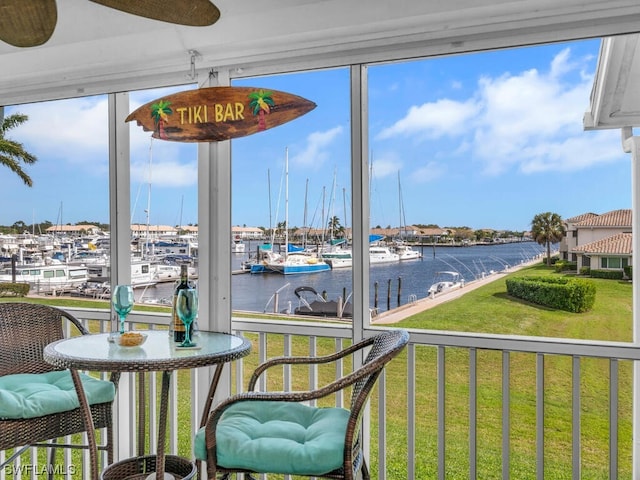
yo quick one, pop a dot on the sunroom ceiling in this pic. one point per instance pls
(97, 50)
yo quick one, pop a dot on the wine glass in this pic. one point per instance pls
(122, 300)
(187, 308)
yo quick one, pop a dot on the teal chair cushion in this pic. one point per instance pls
(30, 395)
(278, 437)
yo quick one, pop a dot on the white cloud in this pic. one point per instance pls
(168, 173)
(433, 120)
(385, 164)
(70, 131)
(530, 122)
(428, 173)
(315, 152)
(528, 119)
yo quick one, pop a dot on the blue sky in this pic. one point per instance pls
(483, 140)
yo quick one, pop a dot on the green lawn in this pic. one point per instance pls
(488, 309)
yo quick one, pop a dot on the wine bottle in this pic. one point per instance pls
(178, 326)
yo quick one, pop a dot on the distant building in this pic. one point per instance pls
(247, 233)
(611, 253)
(570, 239)
(598, 241)
(75, 230)
(434, 235)
(189, 229)
(153, 231)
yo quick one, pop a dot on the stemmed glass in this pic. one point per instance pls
(122, 302)
(187, 308)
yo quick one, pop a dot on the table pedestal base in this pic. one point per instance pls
(139, 468)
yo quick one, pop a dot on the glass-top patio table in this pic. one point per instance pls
(157, 353)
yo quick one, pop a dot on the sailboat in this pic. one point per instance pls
(404, 251)
(294, 261)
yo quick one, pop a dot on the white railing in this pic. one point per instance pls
(470, 405)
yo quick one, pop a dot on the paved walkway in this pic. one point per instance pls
(404, 311)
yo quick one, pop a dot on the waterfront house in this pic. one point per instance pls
(570, 238)
(610, 253)
(75, 230)
(598, 241)
(435, 235)
(152, 232)
(247, 233)
(106, 52)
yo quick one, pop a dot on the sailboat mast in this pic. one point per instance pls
(148, 210)
(304, 219)
(286, 202)
(400, 205)
(271, 229)
(344, 206)
(333, 204)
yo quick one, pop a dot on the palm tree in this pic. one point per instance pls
(160, 112)
(335, 227)
(261, 103)
(12, 153)
(547, 228)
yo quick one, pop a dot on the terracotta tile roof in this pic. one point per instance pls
(615, 218)
(580, 218)
(72, 228)
(619, 244)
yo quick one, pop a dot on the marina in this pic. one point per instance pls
(391, 284)
(397, 276)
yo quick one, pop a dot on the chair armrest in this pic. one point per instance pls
(260, 369)
(73, 320)
(296, 396)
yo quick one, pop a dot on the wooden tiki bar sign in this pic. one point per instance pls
(218, 113)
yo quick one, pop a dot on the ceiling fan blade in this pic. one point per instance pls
(194, 13)
(27, 23)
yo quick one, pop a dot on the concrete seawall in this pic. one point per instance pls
(400, 313)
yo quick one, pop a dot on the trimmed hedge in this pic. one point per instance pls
(14, 289)
(570, 294)
(628, 271)
(607, 274)
(565, 266)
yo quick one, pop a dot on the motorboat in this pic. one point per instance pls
(338, 256)
(165, 272)
(52, 278)
(312, 303)
(445, 281)
(238, 247)
(382, 254)
(143, 274)
(406, 252)
(342, 257)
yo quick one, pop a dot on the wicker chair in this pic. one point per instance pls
(248, 426)
(25, 329)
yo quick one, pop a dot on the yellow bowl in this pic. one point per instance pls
(131, 339)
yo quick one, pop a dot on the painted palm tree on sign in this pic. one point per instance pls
(261, 103)
(12, 153)
(160, 112)
(547, 228)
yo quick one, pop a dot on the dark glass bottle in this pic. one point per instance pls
(178, 326)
